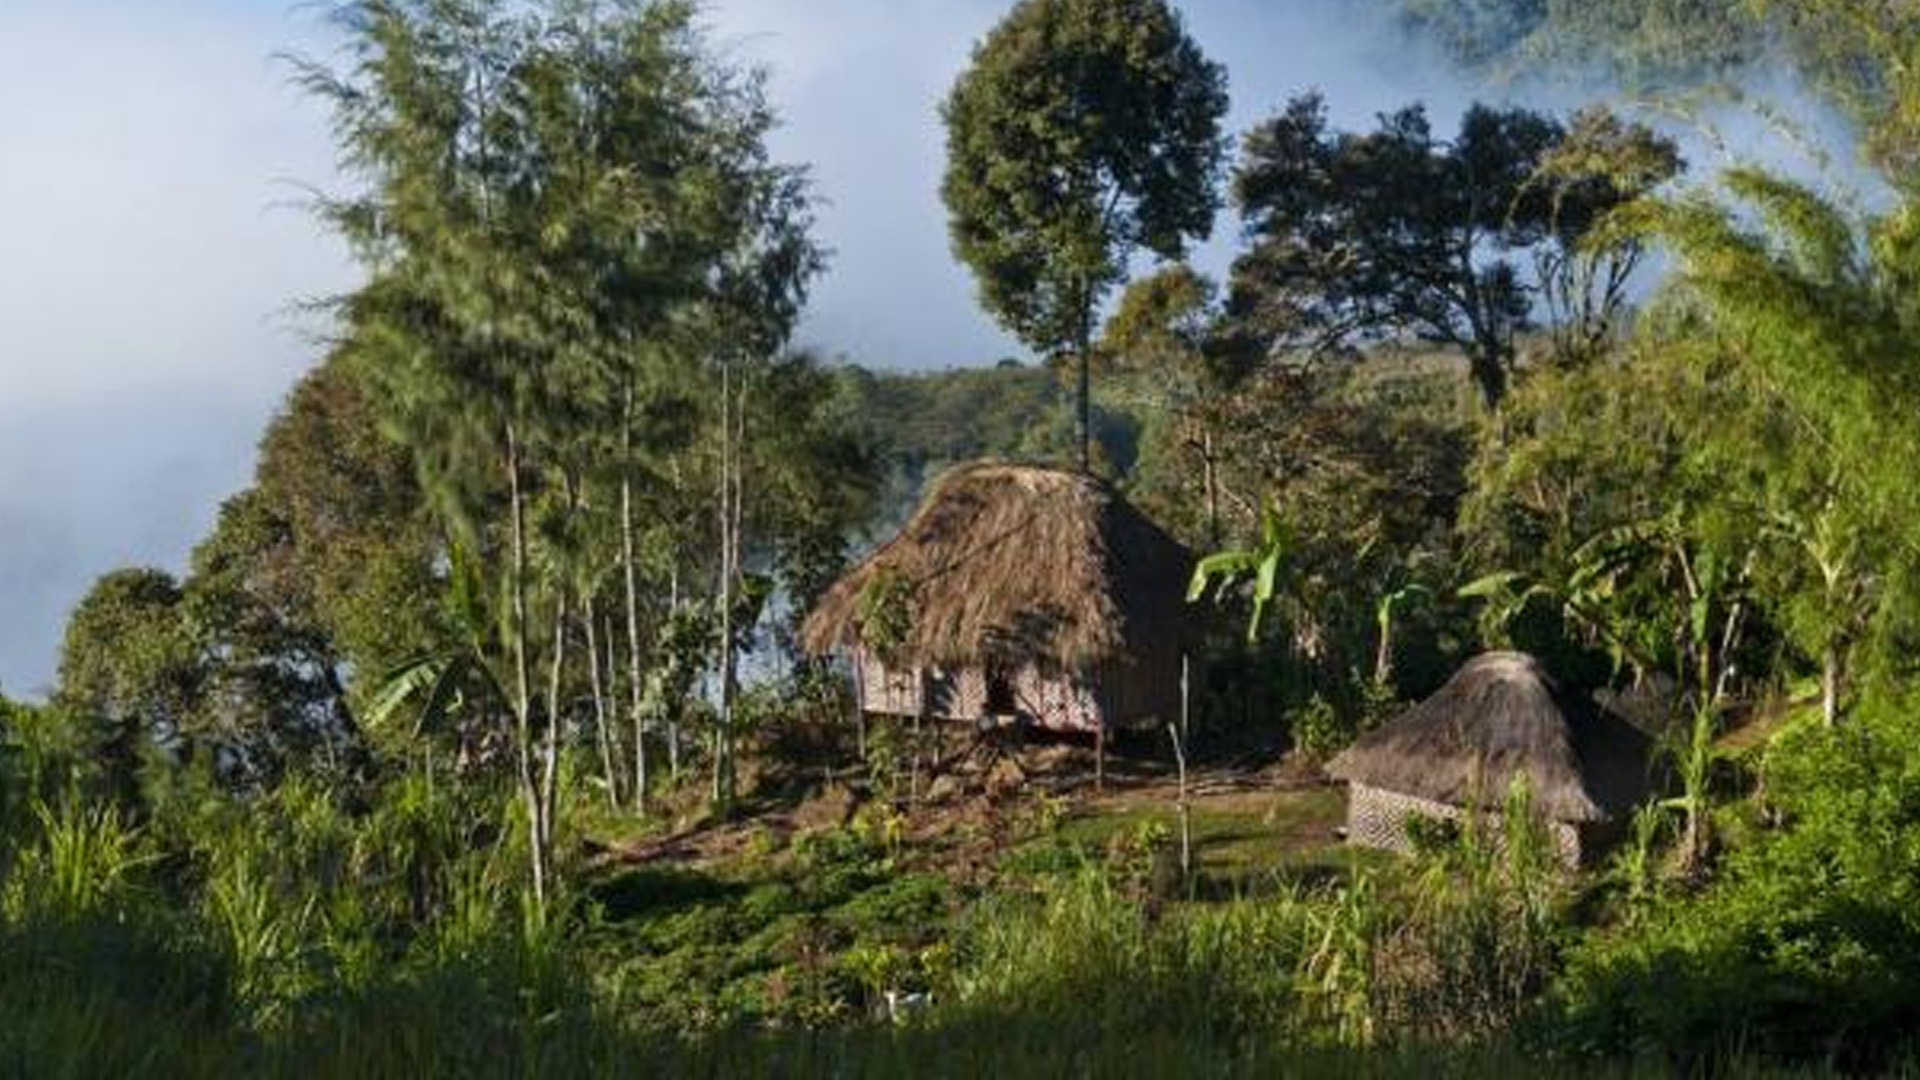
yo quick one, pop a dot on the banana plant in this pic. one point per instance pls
(1263, 565)
(1384, 613)
(1506, 594)
(1620, 588)
(441, 686)
(1692, 754)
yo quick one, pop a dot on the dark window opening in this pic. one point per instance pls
(1001, 700)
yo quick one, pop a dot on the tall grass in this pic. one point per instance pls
(81, 861)
(109, 968)
(298, 935)
(1088, 955)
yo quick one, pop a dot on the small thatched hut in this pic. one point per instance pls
(1500, 718)
(1029, 594)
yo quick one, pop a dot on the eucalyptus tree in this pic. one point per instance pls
(646, 132)
(556, 197)
(759, 287)
(1083, 132)
(428, 116)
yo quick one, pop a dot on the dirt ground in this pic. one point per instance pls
(963, 808)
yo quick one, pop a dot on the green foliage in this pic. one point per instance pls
(1814, 307)
(1805, 944)
(1848, 51)
(84, 862)
(922, 422)
(1366, 464)
(131, 671)
(812, 937)
(1318, 728)
(1083, 131)
(1357, 239)
(1644, 43)
(884, 612)
(1491, 908)
(1259, 568)
(227, 846)
(1084, 957)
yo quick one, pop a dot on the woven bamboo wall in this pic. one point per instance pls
(1378, 818)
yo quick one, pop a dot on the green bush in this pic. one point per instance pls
(1806, 947)
(1319, 729)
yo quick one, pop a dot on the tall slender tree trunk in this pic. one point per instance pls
(1831, 672)
(602, 721)
(1179, 736)
(736, 533)
(674, 706)
(550, 735)
(630, 572)
(722, 748)
(522, 668)
(1083, 398)
(1210, 476)
(1083, 413)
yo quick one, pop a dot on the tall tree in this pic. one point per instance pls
(316, 582)
(1601, 166)
(433, 115)
(573, 226)
(760, 287)
(1084, 131)
(1356, 238)
(1158, 341)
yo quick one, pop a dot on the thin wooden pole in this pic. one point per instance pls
(1179, 734)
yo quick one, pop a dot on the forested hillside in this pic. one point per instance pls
(1649, 46)
(925, 422)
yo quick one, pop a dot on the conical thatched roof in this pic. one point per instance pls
(1499, 717)
(1020, 564)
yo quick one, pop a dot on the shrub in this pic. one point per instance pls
(1806, 947)
(1318, 728)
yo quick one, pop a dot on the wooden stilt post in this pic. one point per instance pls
(860, 706)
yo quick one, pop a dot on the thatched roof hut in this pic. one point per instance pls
(1046, 581)
(1501, 717)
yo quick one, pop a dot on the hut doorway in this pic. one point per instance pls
(1001, 698)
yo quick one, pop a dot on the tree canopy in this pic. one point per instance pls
(1083, 131)
(1355, 239)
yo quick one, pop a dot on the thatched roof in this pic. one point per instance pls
(1020, 564)
(1499, 717)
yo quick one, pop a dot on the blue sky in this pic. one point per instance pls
(150, 262)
